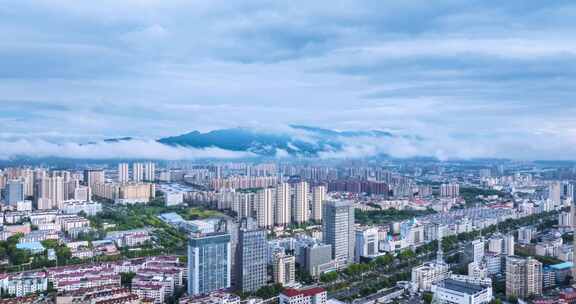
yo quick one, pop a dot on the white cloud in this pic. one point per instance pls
(134, 149)
(153, 68)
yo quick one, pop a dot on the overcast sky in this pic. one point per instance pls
(476, 78)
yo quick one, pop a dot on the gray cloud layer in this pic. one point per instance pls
(477, 78)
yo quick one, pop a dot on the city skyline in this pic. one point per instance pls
(471, 78)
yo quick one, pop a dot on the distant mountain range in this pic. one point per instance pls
(301, 141)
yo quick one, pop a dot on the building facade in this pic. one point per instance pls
(338, 231)
(209, 263)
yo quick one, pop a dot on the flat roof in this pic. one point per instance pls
(562, 266)
(463, 287)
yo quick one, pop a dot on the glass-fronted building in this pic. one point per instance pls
(209, 263)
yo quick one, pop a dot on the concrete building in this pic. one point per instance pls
(251, 257)
(209, 263)
(264, 203)
(318, 259)
(523, 277)
(123, 173)
(50, 190)
(149, 174)
(458, 292)
(75, 207)
(217, 297)
(427, 274)
(299, 201)
(318, 198)
(555, 192)
(526, 235)
(366, 243)
(565, 219)
(282, 215)
(14, 192)
(338, 231)
(93, 176)
(284, 269)
(450, 190)
(314, 295)
(137, 172)
(501, 244)
(474, 251)
(509, 244)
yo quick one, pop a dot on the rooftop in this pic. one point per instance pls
(462, 287)
(562, 266)
(304, 292)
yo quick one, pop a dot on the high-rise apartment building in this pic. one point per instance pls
(137, 172)
(523, 277)
(281, 208)
(123, 175)
(149, 172)
(264, 202)
(299, 201)
(338, 231)
(450, 190)
(251, 257)
(509, 244)
(209, 263)
(50, 192)
(93, 176)
(318, 197)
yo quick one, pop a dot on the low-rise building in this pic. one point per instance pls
(315, 295)
(459, 292)
(212, 298)
(424, 276)
(75, 207)
(24, 283)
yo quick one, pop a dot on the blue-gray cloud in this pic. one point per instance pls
(480, 73)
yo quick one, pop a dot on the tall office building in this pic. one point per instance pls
(523, 277)
(282, 215)
(14, 191)
(299, 201)
(137, 172)
(318, 197)
(251, 257)
(123, 176)
(264, 200)
(209, 263)
(149, 172)
(338, 231)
